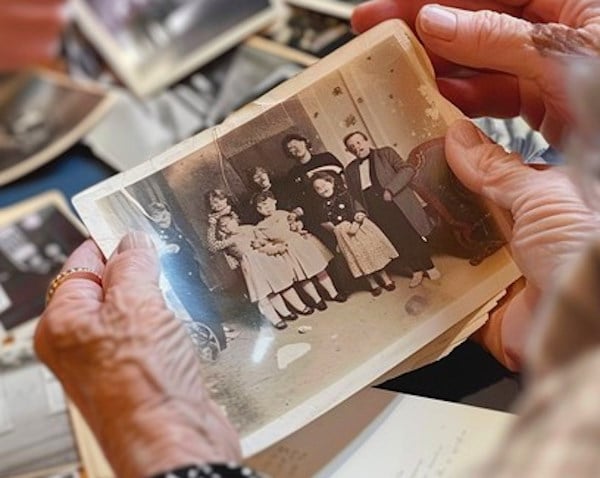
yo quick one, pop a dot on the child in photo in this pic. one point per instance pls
(310, 257)
(267, 273)
(219, 206)
(364, 246)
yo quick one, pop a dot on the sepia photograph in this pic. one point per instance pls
(36, 237)
(153, 43)
(41, 115)
(317, 238)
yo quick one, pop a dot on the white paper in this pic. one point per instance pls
(384, 434)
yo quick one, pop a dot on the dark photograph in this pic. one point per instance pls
(41, 115)
(33, 248)
(152, 43)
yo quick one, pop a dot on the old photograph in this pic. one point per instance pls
(317, 238)
(36, 237)
(36, 439)
(136, 130)
(153, 43)
(41, 115)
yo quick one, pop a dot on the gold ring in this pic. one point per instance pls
(74, 273)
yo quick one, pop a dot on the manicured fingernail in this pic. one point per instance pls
(438, 21)
(136, 240)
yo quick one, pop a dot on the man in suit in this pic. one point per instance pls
(379, 180)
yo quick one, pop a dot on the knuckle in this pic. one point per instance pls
(492, 29)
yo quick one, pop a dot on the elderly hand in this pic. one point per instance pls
(514, 50)
(551, 222)
(129, 366)
(30, 32)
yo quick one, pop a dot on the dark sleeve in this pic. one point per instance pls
(210, 471)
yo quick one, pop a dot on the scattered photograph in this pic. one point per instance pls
(153, 43)
(36, 237)
(41, 115)
(316, 238)
(36, 439)
(310, 31)
(135, 130)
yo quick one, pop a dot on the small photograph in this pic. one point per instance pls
(153, 43)
(41, 115)
(310, 31)
(136, 130)
(36, 237)
(317, 238)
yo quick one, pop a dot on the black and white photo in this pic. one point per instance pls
(153, 43)
(36, 237)
(304, 236)
(41, 115)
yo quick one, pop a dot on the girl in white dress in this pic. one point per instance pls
(309, 256)
(267, 273)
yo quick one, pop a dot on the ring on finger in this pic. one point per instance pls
(73, 273)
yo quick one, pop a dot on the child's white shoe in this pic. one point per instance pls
(416, 280)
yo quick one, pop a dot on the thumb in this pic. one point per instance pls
(481, 39)
(485, 167)
(134, 265)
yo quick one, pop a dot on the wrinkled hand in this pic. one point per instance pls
(30, 32)
(551, 222)
(129, 366)
(514, 51)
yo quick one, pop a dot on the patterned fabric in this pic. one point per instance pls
(211, 471)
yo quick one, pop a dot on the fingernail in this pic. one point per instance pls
(438, 22)
(136, 240)
(465, 133)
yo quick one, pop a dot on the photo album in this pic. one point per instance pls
(316, 238)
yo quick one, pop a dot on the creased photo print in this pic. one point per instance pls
(316, 238)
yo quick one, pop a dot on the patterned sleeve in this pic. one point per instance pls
(211, 471)
(214, 244)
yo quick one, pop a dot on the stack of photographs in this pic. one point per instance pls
(36, 438)
(279, 245)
